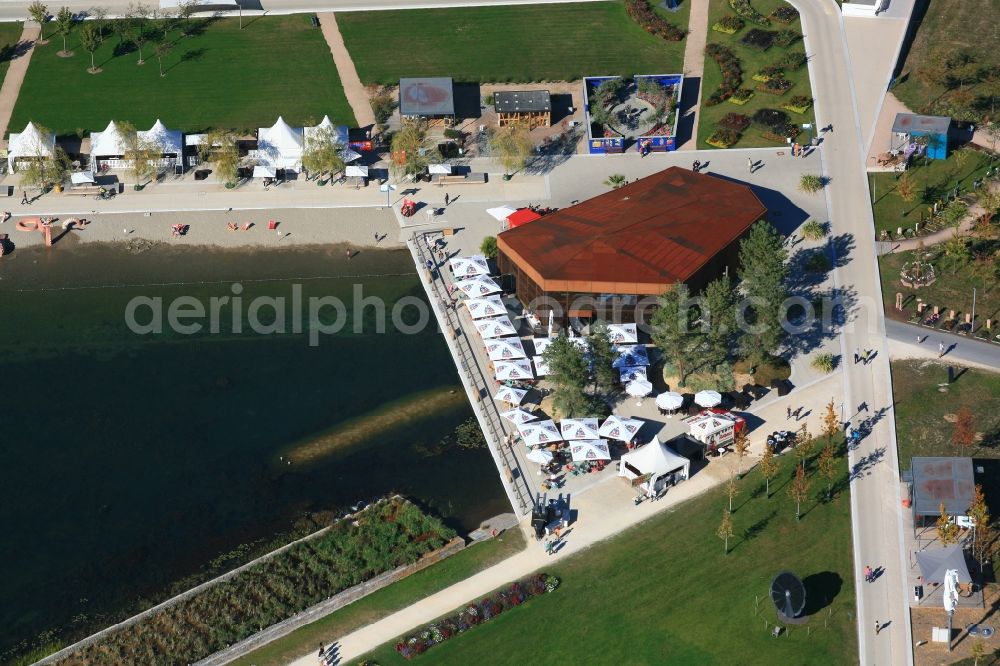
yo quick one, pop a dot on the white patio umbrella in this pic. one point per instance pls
(622, 334)
(707, 398)
(495, 327)
(632, 373)
(590, 449)
(478, 286)
(512, 396)
(519, 368)
(669, 401)
(518, 416)
(356, 172)
(638, 388)
(504, 349)
(501, 213)
(585, 428)
(464, 267)
(82, 177)
(349, 155)
(617, 427)
(541, 344)
(539, 432)
(541, 367)
(491, 306)
(439, 168)
(540, 456)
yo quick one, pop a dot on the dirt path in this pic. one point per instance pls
(694, 63)
(15, 73)
(965, 226)
(355, 91)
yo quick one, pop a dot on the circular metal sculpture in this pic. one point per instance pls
(788, 594)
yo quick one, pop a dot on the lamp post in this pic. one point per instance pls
(387, 188)
(808, 126)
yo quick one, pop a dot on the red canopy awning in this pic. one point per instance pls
(522, 216)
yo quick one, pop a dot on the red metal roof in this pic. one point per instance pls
(522, 216)
(637, 239)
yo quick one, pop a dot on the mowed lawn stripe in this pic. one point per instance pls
(560, 42)
(224, 77)
(10, 33)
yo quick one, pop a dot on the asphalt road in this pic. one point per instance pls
(903, 344)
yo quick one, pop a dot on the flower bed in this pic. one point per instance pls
(729, 25)
(475, 614)
(798, 104)
(769, 118)
(785, 38)
(741, 96)
(785, 14)
(723, 138)
(734, 121)
(759, 39)
(775, 86)
(640, 12)
(745, 9)
(732, 73)
(768, 73)
(792, 60)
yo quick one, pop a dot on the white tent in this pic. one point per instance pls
(539, 432)
(519, 368)
(518, 416)
(491, 306)
(623, 429)
(472, 266)
(630, 355)
(326, 124)
(622, 334)
(82, 178)
(589, 449)
(495, 327)
(264, 172)
(541, 367)
(32, 142)
(439, 168)
(656, 460)
(349, 155)
(633, 373)
(356, 172)
(280, 146)
(579, 428)
(707, 398)
(501, 213)
(512, 396)
(169, 141)
(540, 456)
(478, 287)
(109, 143)
(504, 349)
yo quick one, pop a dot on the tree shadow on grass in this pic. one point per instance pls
(194, 55)
(821, 589)
(755, 530)
(121, 49)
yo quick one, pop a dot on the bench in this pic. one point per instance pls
(86, 191)
(447, 179)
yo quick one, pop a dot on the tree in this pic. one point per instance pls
(725, 529)
(804, 443)
(412, 150)
(489, 247)
(45, 172)
(322, 152)
(799, 489)
(221, 150)
(99, 19)
(569, 372)
(934, 69)
(90, 41)
(185, 10)
(719, 318)
(741, 445)
(831, 423)
(828, 467)
(731, 490)
(120, 26)
(511, 147)
(64, 25)
(677, 331)
(979, 512)
(602, 357)
(39, 13)
(978, 650)
(136, 16)
(947, 530)
(768, 467)
(162, 49)
(964, 433)
(143, 154)
(616, 180)
(906, 188)
(764, 272)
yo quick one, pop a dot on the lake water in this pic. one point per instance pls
(131, 461)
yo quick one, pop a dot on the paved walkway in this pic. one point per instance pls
(15, 74)
(694, 65)
(355, 91)
(974, 353)
(965, 226)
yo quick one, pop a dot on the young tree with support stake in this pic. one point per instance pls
(828, 467)
(90, 41)
(965, 429)
(768, 467)
(221, 150)
(137, 16)
(64, 25)
(947, 530)
(980, 514)
(141, 153)
(731, 490)
(726, 529)
(741, 445)
(799, 489)
(162, 49)
(39, 13)
(511, 147)
(321, 156)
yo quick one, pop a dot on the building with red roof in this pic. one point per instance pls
(608, 252)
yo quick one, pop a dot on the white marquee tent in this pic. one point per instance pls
(280, 146)
(655, 459)
(32, 142)
(170, 141)
(112, 142)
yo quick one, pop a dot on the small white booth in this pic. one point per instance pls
(713, 429)
(653, 467)
(31, 144)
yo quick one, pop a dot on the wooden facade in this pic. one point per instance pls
(526, 108)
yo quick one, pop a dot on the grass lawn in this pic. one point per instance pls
(9, 35)
(751, 61)
(386, 601)
(223, 77)
(932, 180)
(664, 593)
(555, 42)
(967, 25)
(921, 429)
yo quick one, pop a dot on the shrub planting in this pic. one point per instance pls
(813, 230)
(769, 118)
(741, 96)
(746, 10)
(640, 12)
(768, 73)
(798, 104)
(811, 183)
(792, 60)
(475, 614)
(729, 25)
(732, 73)
(785, 14)
(824, 363)
(723, 138)
(734, 121)
(785, 38)
(759, 39)
(778, 85)
(386, 535)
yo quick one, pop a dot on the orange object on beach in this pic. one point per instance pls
(272, 225)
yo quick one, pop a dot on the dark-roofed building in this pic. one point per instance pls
(429, 99)
(937, 481)
(599, 257)
(530, 108)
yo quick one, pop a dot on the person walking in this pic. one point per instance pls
(750, 164)
(447, 199)
(788, 413)
(24, 198)
(920, 339)
(878, 627)
(857, 355)
(940, 349)
(868, 573)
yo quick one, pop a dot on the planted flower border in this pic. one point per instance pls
(640, 12)
(729, 25)
(475, 614)
(741, 96)
(732, 73)
(746, 10)
(798, 104)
